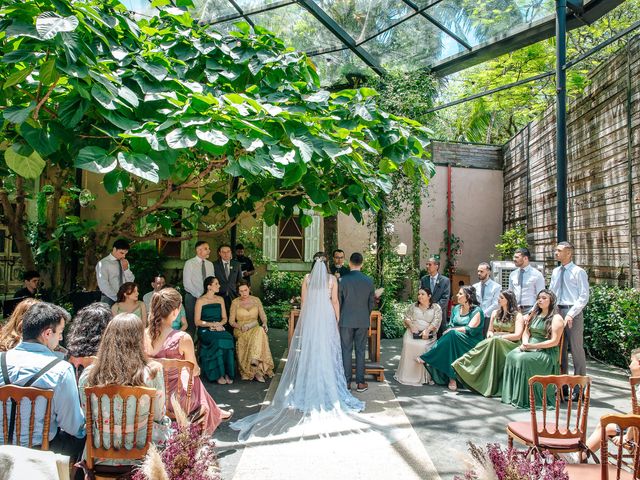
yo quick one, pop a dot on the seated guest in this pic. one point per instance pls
(33, 363)
(127, 301)
(122, 361)
(30, 287)
(464, 333)
(157, 284)
(217, 347)
(87, 328)
(249, 324)
(538, 354)
(481, 368)
(169, 343)
(631, 436)
(11, 332)
(422, 321)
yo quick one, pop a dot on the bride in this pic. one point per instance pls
(312, 396)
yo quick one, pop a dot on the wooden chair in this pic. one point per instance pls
(112, 448)
(562, 431)
(19, 394)
(79, 362)
(618, 470)
(634, 382)
(179, 365)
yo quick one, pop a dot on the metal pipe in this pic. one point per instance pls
(561, 120)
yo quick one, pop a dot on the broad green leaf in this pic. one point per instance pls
(103, 97)
(19, 56)
(95, 159)
(120, 121)
(181, 138)
(29, 166)
(39, 139)
(17, 77)
(49, 24)
(305, 146)
(139, 165)
(18, 114)
(214, 137)
(116, 181)
(158, 72)
(48, 72)
(71, 110)
(293, 173)
(387, 166)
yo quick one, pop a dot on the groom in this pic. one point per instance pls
(356, 295)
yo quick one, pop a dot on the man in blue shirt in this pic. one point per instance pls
(42, 329)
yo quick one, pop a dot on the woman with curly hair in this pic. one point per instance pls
(86, 330)
(11, 332)
(122, 360)
(169, 343)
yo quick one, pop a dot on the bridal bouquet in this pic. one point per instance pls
(496, 463)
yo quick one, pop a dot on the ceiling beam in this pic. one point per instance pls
(331, 25)
(521, 37)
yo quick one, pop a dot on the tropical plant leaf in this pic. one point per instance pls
(49, 24)
(27, 166)
(95, 159)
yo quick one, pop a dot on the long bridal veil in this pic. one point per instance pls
(311, 398)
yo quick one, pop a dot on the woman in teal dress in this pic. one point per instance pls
(481, 368)
(538, 354)
(217, 353)
(464, 333)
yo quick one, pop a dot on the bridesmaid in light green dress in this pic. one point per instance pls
(538, 354)
(481, 368)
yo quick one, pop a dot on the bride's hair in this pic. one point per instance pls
(321, 257)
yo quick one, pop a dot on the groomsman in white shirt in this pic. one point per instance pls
(113, 270)
(487, 291)
(195, 271)
(571, 285)
(525, 281)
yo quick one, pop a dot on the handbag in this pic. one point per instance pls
(418, 336)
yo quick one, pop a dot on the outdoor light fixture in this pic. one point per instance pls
(401, 249)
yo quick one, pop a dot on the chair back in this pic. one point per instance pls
(115, 447)
(80, 363)
(634, 381)
(626, 423)
(565, 422)
(19, 394)
(177, 365)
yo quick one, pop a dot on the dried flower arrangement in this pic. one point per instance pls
(188, 454)
(496, 463)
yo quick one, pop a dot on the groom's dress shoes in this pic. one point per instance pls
(362, 387)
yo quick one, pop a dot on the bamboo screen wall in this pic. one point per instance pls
(603, 184)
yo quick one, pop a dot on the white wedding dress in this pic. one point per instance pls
(312, 397)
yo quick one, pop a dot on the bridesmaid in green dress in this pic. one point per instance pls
(538, 354)
(464, 333)
(481, 368)
(217, 353)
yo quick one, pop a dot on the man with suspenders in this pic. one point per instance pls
(33, 363)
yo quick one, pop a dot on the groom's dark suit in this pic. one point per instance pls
(356, 294)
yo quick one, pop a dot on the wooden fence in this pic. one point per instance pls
(603, 133)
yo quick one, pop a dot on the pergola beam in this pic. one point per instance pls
(435, 22)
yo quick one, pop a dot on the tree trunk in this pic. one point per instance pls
(14, 214)
(330, 234)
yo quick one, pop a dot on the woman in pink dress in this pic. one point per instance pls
(165, 342)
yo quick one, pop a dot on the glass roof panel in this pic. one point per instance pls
(364, 18)
(412, 44)
(210, 10)
(333, 68)
(297, 27)
(478, 22)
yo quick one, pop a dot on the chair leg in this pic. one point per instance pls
(509, 442)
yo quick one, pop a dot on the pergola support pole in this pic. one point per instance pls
(561, 119)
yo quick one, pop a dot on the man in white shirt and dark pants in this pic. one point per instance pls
(195, 271)
(112, 271)
(525, 281)
(571, 286)
(487, 291)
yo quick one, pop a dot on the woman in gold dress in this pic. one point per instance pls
(249, 324)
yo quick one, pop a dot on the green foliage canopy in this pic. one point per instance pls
(167, 101)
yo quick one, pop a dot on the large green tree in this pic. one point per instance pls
(163, 106)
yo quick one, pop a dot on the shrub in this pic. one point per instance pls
(511, 240)
(281, 286)
(393, 313)
(611, 329)
(278, 314)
